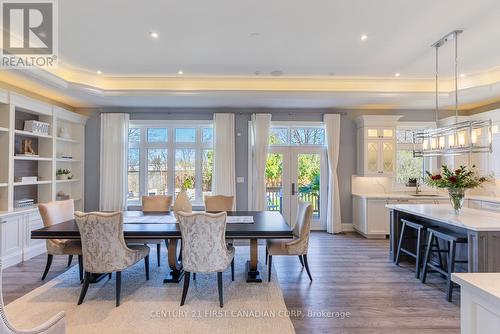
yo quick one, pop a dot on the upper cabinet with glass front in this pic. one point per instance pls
(376, 145)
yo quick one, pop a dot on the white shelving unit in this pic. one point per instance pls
(17, 223)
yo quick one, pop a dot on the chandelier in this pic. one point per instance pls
(456, 139)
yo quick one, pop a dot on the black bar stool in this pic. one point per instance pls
(421, 231)
(452, 239)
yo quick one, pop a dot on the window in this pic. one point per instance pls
(163, 159)
(297, 136)
(408, 166)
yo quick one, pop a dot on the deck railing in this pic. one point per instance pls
(275, 200)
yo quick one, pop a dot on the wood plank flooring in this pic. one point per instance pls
(351, 274)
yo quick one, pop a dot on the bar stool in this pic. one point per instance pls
(421, 231)
(452, 238)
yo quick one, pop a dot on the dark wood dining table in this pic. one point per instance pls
(163, 225)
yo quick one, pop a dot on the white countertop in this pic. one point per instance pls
(470, 219)
(488, 283)
(401, 196)
(408, 195)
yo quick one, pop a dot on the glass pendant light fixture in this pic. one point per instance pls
(459, 138)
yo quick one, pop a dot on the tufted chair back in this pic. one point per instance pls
(204, 246)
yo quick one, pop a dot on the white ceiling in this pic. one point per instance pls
(315, 37)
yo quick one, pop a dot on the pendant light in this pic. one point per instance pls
(459, 138)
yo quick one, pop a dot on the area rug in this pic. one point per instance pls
(153, 307)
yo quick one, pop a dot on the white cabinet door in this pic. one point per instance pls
(11, 230)
(32, 247)
(474, 204)
(372, 160)
(387, 157)
(359, 214)
(490, 206)
(377, 217)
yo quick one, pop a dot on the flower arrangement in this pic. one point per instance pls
(456, 181)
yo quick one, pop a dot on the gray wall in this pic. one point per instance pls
(347, 161)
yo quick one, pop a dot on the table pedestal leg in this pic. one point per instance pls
(176, 271)
(253, 274)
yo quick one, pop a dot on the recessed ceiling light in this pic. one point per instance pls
(154, 34)
(99, 72)
(254, 34)
(397, 74)
(462, 75)
(276, 73)
(364, 37)
(180, 72)
(257, 72)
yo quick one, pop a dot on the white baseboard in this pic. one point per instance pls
(12, 259)
(347, 227)
(34, 251)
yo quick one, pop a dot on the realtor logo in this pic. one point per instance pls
(29, 33)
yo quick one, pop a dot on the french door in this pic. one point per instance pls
(296, 173)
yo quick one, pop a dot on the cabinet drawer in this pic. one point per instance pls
(490, 206)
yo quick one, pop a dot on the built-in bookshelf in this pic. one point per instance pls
(29, 159)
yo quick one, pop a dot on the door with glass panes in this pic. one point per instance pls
(293, 174)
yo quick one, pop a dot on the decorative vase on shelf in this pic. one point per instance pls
(457, 196)
(62, 176)
(182, 203)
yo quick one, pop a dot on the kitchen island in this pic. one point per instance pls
(481, 227)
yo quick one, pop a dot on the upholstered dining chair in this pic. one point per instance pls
(55, 325)
(204, 247)
(219, 203)
(54, 213)
(298, 245)
(154, 203)
(104, 248)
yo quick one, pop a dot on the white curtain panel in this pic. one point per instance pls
(224, 156)
(114, 151)
(260, 125)
(332, 125)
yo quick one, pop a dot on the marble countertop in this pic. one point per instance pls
(408, 195)
(470, 219)
(488, 283)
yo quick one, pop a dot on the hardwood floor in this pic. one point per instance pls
(353, 274)
(350, 274)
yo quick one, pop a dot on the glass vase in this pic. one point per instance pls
(457, 196)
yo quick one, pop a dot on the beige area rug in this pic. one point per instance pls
(153, 307)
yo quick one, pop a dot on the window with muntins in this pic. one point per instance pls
(164, 158)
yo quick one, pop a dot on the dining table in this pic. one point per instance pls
(241, 225)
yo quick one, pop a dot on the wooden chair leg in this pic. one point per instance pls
(194, 276)
(426, 257)
(267, 254)
(110, 275)
(118, 287)
(232, 270)
(269, 268)
(146, 266)
(80, 267)
(70, 259)
(158, 250)
(451, 268)
(47, 266)
(301, 261)
(219, 284)
(186, 286)
(85, 287)
(304, 257)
